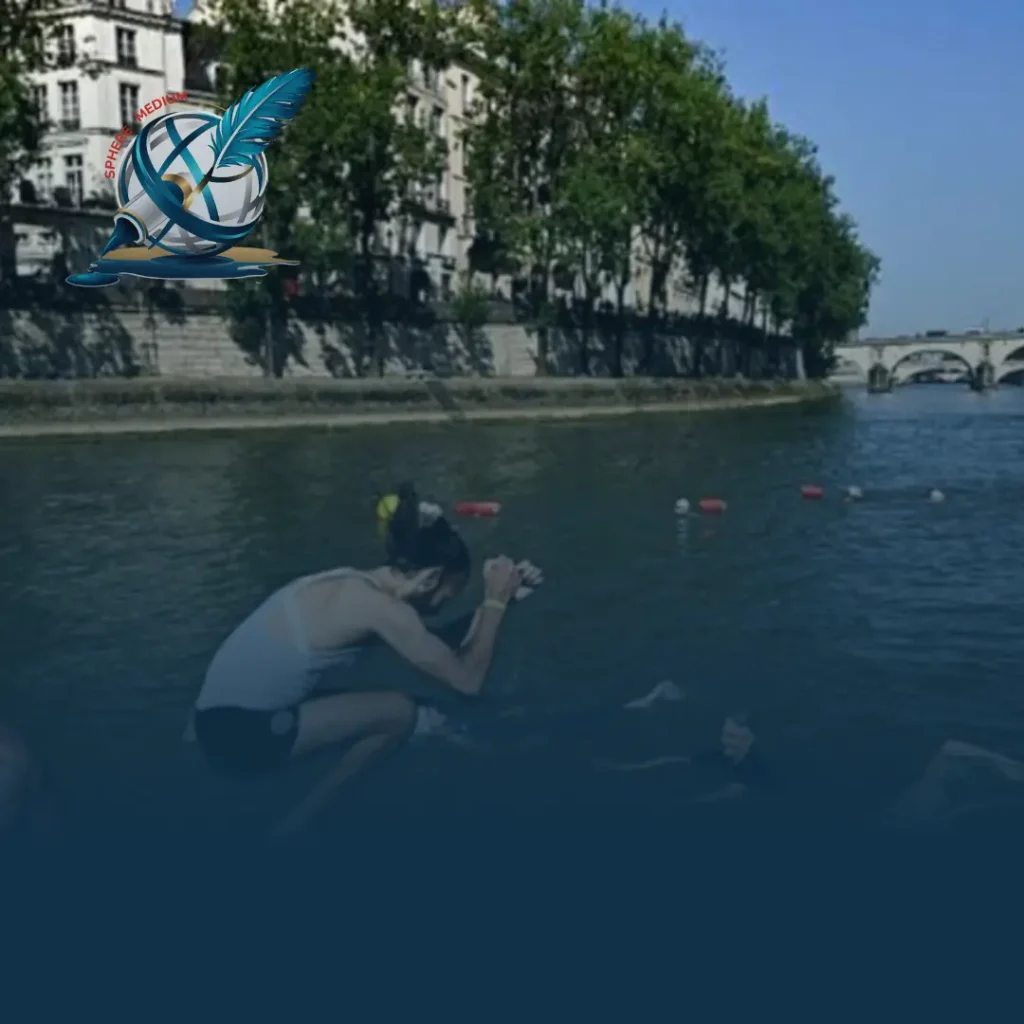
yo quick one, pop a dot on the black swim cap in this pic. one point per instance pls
(420, 538)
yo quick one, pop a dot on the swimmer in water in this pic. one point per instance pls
(257, 711)
(518, 731)
(937, 799)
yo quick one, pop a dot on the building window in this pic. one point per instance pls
(437, 122)
(118, 3)
(44, 178)
(129, 97)
(126, 48)
(65, 39)
(41, 102)
(73, 177)
(465, 94)
(70, 119)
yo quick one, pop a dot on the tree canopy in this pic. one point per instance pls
(612, 173)
(609, 145)
(23, 38)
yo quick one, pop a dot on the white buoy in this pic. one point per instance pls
(854, 494)
(682, 507)
(935, 496)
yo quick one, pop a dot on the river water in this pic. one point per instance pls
(854, 637)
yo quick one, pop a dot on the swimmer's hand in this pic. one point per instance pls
(501, 579)
(532, 578)
(736, 741)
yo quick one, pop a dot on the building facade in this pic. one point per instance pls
(111, 57)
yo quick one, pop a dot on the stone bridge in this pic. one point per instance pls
(987, 359)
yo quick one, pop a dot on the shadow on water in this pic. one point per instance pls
(858, 637)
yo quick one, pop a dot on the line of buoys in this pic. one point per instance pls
(478, 509)
(809, 492)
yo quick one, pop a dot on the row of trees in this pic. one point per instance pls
(22, 51)
(603, 150)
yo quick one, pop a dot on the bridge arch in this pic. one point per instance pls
(846, 367)
(1010, 372)
(951, 354)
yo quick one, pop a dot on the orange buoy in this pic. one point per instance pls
(811, 492)
(477, 508)
(713, 506)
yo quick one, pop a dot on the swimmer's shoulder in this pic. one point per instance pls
(363, 600)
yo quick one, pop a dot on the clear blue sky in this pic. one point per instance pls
(918, 110)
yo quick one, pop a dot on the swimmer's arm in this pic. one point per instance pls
(403, 631)
(458, 633)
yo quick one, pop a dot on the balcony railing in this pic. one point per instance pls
(70, 124)
(127, 60)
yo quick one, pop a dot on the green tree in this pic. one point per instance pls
(257, 40)
(780, 198)
(834, 300)
(519, 148)
(23, 37)
(691, 179)
(353, 160)
(599, 208)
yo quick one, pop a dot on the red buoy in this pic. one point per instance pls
(811, 492)
(477, 508)
(712, 506)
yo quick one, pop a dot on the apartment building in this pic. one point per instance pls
(431, 231)
(112, 57)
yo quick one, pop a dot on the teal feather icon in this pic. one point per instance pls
(247, 127)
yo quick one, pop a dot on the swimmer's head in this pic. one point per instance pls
(424, 548)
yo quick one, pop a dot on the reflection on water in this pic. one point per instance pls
(856, 636)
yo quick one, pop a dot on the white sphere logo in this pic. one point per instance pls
(192, 187)
(177, 151)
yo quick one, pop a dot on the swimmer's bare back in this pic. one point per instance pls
(332, 610)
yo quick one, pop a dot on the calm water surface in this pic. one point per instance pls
(856, 637)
